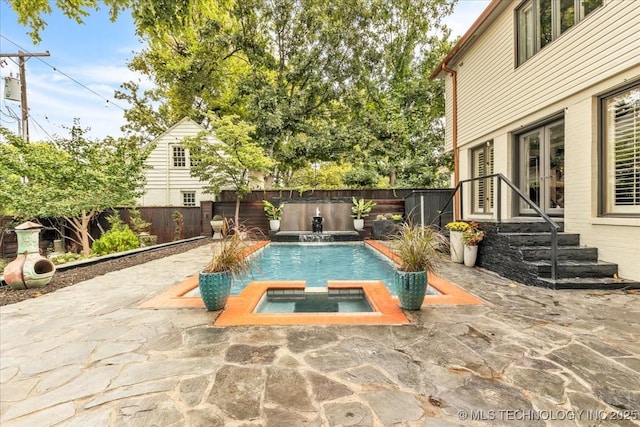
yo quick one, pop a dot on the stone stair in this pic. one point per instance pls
(522, 251)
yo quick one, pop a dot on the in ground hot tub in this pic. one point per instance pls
(314, 300)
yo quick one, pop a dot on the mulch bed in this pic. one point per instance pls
(62, 279)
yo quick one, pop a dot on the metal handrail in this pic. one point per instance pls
(554, 227)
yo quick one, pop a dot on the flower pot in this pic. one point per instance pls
(456, 246)
(274, 224)
(382, 229)
(358, 224)
(216, 226)
(470, 255)
(215, 289)
(411, 287)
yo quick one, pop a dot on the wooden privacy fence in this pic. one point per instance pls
(417, 205)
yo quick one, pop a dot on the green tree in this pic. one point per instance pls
(75, 179)
(396, 108)
(320, 81)
(236, 162)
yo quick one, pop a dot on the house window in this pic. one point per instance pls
(179, 156)
(482, 165)
(539, 22)
(621, 151)
(193, 157)
(189, 199)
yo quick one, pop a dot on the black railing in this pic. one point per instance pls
(553, 226)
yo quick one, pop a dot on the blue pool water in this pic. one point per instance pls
(316, 264)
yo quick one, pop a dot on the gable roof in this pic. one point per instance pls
(185, 120)
(480, 25)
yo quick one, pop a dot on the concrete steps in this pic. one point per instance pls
(521, 250)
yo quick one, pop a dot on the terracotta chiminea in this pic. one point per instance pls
(29, 269)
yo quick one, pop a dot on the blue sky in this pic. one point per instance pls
(95, 55)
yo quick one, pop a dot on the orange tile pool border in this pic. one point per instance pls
(239, 309)
(450, 293)
(241, 306)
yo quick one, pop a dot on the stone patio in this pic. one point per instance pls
(86, 356)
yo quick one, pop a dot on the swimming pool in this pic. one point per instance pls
(316, 263)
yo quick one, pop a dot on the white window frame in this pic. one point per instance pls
(178, 161)
(188, 199)
(526, 49)
(620, 152)
(482, 190)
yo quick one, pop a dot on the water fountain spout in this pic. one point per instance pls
(316, 224)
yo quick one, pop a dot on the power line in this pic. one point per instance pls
(108, 102)
(23, 85)
(14, 119)
(40, 126)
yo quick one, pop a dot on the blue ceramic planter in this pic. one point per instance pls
(411, 287)
(215, 289)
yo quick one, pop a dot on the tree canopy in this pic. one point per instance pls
(71, 178)
(319, 81)
(234, 162)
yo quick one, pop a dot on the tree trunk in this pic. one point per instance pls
(236, 224)
(84, 234)
(392, 178)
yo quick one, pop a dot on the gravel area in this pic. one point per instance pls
(62, 279)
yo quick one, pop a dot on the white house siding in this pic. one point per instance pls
(493, 93)
(165, 183)
(496, 100)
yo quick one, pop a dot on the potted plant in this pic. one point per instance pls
(360, 210)
(456, 228)
(396, 218)
(471, 237)
(217, 223)
(384, 226)
(274, 213)
(227, 260)
(420, 250)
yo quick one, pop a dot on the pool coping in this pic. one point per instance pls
(239, 309)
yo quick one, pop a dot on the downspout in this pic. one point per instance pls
(454, 131)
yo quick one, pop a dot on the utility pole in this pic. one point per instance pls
(23, 86)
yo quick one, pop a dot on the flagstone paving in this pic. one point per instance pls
(87, 356)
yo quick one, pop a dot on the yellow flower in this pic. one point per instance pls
(457, 226)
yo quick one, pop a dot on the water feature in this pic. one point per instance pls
(316, 224)
(316, 237)
(336, 216)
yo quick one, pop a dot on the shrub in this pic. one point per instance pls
(66, 257)
(119, 239)
(138, 224)
(178, 221)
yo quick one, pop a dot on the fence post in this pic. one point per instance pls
(206, 214)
